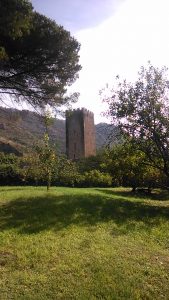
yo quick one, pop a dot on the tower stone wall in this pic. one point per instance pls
(80, 134)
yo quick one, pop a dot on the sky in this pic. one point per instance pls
(117, 37)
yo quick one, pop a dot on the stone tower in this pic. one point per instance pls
(80, 134)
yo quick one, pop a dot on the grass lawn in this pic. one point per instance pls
(83, 244)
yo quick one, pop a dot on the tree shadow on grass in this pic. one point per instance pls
(56, 212)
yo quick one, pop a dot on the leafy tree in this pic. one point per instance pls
(47, 159)
(40, 165)
(38, 58)
(125, 164)
(30, 168)
(141, 110)
(68, 174)
(97, 178)
(128, 166)
(15, 17)
(9, 168)
(90, 163)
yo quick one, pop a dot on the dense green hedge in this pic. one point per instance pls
(113, 169)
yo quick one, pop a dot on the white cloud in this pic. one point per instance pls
(138, 32)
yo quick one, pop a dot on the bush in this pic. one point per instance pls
(67, 172)
(9, 169)
(96, 178)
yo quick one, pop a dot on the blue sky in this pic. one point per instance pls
(116, 36)
(76, 15)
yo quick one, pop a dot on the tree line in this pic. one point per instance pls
(122, 165)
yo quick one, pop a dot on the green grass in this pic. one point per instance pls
(83, 244)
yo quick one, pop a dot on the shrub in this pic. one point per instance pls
(67, 172)
(97, 178)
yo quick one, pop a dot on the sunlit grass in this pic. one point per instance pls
(83, 244)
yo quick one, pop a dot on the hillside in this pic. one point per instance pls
(20, 130)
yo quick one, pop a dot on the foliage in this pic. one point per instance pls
(15, 18)
(97, 178)
(126, 164)
(30, 168)
(68, 174)
(141, 110)
(122, 165)
(38, 58)
(87, 164)
(9, 168)
(40, 166)
(43, 166)
(129, 167)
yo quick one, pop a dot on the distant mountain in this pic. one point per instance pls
(106, 134)
(20, 130)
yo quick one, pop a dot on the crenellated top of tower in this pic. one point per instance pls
(82, 110)
(87, 112)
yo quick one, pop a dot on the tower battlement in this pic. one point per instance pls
(83, 110)
(80, 133)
